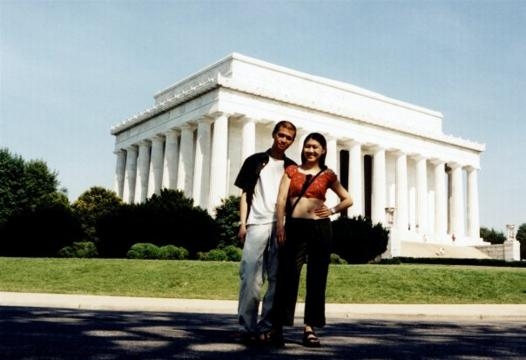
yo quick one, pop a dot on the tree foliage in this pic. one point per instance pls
(40, 232)
(11, 188)
(35, 217)
(492, 236)
(24, 185)
(92, 205)
(521, 238)
(227, 220)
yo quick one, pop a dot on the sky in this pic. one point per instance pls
(70, 70)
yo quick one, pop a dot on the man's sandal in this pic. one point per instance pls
(310, 339)
(249, 339)
(272, 338)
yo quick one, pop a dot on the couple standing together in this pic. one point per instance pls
(284, 224)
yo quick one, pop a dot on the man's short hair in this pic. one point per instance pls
(286, 124)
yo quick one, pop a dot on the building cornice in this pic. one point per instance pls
(167, 104)
(449, 139)
(222, 74)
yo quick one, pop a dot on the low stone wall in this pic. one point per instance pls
(493, 251)
(510, 250)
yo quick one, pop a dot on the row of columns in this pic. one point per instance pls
(198, 165)
(452, 190)
(175, 160)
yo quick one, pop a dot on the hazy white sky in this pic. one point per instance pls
(69, 70)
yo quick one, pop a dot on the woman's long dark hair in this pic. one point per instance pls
(321, 139)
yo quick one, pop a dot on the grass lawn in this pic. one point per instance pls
(219, 280)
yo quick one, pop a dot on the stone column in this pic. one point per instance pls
(156, 166)
(201, 163)
(356, 179)
(378, 193)
(128, 194)
(219, 162)
(331, 159)
(171, 159)
(186, 160)
(440, 200)
(143, 170)
(120, 169)
(296, 148)
(473, 204)
(248, 138)
(332, 162)
(421, 194)
(402, 205)
(457, 202)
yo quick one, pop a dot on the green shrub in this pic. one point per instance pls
(233, 253)
(357, 241)
(336, 259)
(172, 252)
(80, 249)
(214, 255)
(143, 251)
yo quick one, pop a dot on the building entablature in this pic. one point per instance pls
(244, 75)
(242, 105)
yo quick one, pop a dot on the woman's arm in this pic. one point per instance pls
(345, 198)
(345, 201)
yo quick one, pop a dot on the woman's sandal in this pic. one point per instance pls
(310, 339)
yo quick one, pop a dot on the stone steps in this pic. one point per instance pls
(428, 250)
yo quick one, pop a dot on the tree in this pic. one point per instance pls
(227, 220)
(521, 238)
(91, 206)
(23, 185)
(42, 231)
(35, 217)
(492, 236)
(11, 186)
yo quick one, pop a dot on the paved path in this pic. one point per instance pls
(40, 326)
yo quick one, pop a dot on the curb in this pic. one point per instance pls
(229, 307)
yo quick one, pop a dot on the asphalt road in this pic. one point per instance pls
(53, 333)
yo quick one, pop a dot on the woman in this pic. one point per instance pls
(306, 234)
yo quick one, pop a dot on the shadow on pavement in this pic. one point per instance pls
(34, 333)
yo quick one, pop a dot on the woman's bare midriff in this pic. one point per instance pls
(305, 208)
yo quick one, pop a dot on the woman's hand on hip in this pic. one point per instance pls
(323, 211)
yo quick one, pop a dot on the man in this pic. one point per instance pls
(259, 180)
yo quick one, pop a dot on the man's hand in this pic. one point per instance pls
(242, 233)
(280, 234)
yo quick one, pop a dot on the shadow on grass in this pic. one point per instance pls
(33, 333)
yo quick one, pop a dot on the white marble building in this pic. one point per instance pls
(389, 154)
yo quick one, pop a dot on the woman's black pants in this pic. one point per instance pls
(307, 241)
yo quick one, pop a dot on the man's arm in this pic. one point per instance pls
(243, 211)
